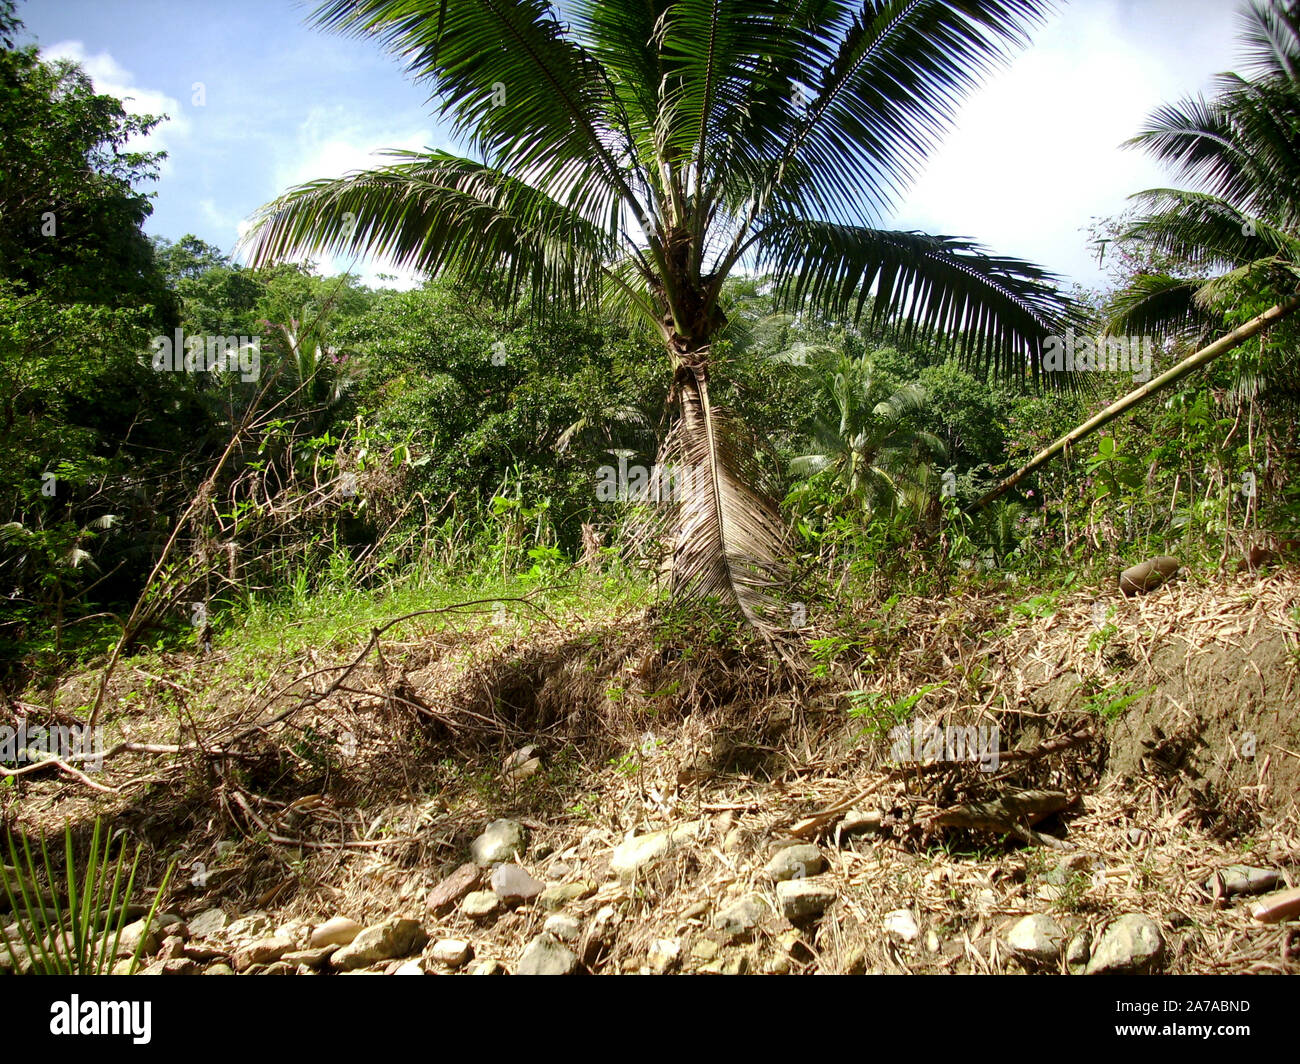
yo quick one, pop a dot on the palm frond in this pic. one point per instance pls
(1271, 35)
(1003, 308)
(1161, 306)
(435, 212)
(1204, 230)
(894, 76)
(517, 85)
(722, 526)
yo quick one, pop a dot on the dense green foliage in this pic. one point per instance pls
(447, 435)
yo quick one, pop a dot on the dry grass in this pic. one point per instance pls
(366, 792)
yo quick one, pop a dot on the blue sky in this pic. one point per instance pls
(1035, 154)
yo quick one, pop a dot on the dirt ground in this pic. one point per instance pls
(1149, 742)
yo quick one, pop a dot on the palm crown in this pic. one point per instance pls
(1239, 222)
(640, 152)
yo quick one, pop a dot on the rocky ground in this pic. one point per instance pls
(628, 805)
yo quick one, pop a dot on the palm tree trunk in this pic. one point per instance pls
(1201, 358)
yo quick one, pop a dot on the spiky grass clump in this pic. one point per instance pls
(80, 934)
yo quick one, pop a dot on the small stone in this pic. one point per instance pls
(296, 931)
(665, 955)
(208, 923)
(856, 820)
(502, 840)
(198, 951)
(804, 899)
(605, 923)
(131, 937)
(487, 966)
(1037, 939)
(480, 904)
(902, 924)
(796, 862)
(447, 893)
(412, 967)
(705, 949)
(513, 885)
(546, 956)
(932, 942)
(338, 931)
(218, 969)
(633, 854)
(558, 896)
(261, 951)
(173, 947)
(1243, 879)
(452, 952)
(740, 918)
(564, 927)
(311, 958)
(395, 937)
(1079, 949)
(1132, 943)
(250, 925)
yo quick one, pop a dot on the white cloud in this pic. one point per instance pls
(1036, 152)
(112, 79)
(332, 142)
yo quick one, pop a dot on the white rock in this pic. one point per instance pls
(665, 954)
(453, 952)
(545, 956)
(1037, 938)
(502, 840)
(902, 924)
(802, 899)
(1133, 943)
(632, 854)
(564, 927)
(336, 931)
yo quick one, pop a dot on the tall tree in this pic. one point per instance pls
(643, 150)
(1236, 228)
(70, 211)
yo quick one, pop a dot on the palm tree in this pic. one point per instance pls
(867, 457)
(1236, 229)
(638, 152)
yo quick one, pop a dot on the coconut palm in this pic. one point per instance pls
(639, 153)
(1236, 229)
(867, 456)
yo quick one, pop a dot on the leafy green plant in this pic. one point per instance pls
(79, 935)
(1110, 703)
(1101, 637)
(881, 716)
(827, 650)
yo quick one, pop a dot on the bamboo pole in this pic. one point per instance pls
(1192, 362)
